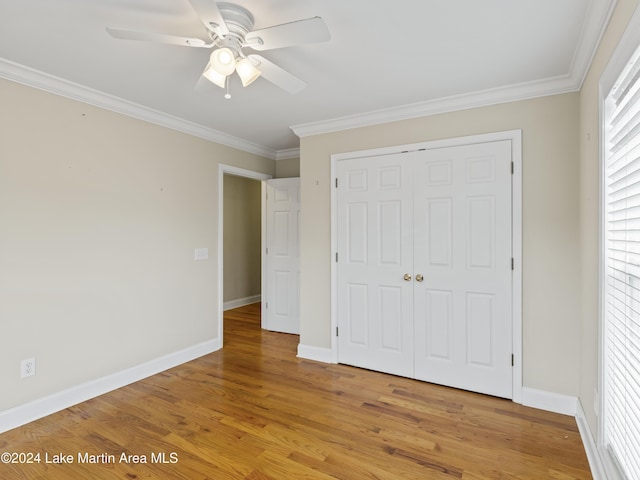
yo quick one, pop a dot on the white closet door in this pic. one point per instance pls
(282, 263)
(375, 306)
(462, 249)
(441, 218)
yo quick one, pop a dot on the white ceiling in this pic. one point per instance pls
(385, 60)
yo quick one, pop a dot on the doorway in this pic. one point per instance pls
(242, 241)
(227, 171)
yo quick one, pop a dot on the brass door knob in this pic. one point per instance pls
(419, 277)
(407, 277)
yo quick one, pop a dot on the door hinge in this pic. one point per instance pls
(512, 360)
(512, 168)
(267, 251)
(266, 304)
(513, 264)
(336, 257)
(336, 182)
(336, 331)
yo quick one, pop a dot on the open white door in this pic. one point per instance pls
(282, 256)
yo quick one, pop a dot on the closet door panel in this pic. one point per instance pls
(462, 250)
(375, 241)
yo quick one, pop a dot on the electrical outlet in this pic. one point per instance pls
(28, 367)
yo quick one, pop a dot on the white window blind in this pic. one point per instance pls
(621, 381)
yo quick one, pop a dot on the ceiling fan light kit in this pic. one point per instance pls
(213, 76)
(223, 61)
(230, 28)
(247, 72)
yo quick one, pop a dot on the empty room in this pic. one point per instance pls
(320, 239)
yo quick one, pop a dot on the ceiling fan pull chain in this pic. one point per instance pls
(227, 95)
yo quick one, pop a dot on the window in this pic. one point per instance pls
(621, 272)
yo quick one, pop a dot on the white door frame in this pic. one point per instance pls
(515, 136)
(239, 172)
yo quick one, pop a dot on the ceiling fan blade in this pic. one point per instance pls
(210, 15)
(310, 30)
(276, 75)
(157, 37)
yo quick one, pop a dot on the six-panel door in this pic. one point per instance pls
(375, 302)
(462, 247)
(282, 263)
(424, 274)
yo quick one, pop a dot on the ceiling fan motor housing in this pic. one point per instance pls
(239, 21)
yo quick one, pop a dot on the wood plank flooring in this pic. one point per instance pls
(254, 411)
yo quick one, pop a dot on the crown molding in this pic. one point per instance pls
(596, 21)
(598, 14)
(287, 154)
(466, 101)
(52, 84)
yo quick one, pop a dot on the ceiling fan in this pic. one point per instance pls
(230, 30)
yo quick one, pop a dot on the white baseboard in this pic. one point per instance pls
(568, 405)
(590, 447)
(23, 414)
(241, 302)
(552, 402)
(318, 354)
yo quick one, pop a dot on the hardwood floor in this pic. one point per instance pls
(254, 411)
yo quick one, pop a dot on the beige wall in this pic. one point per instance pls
(589, 207)
(242, 237)
(99, 217)
(551, 233)
(288, 168)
